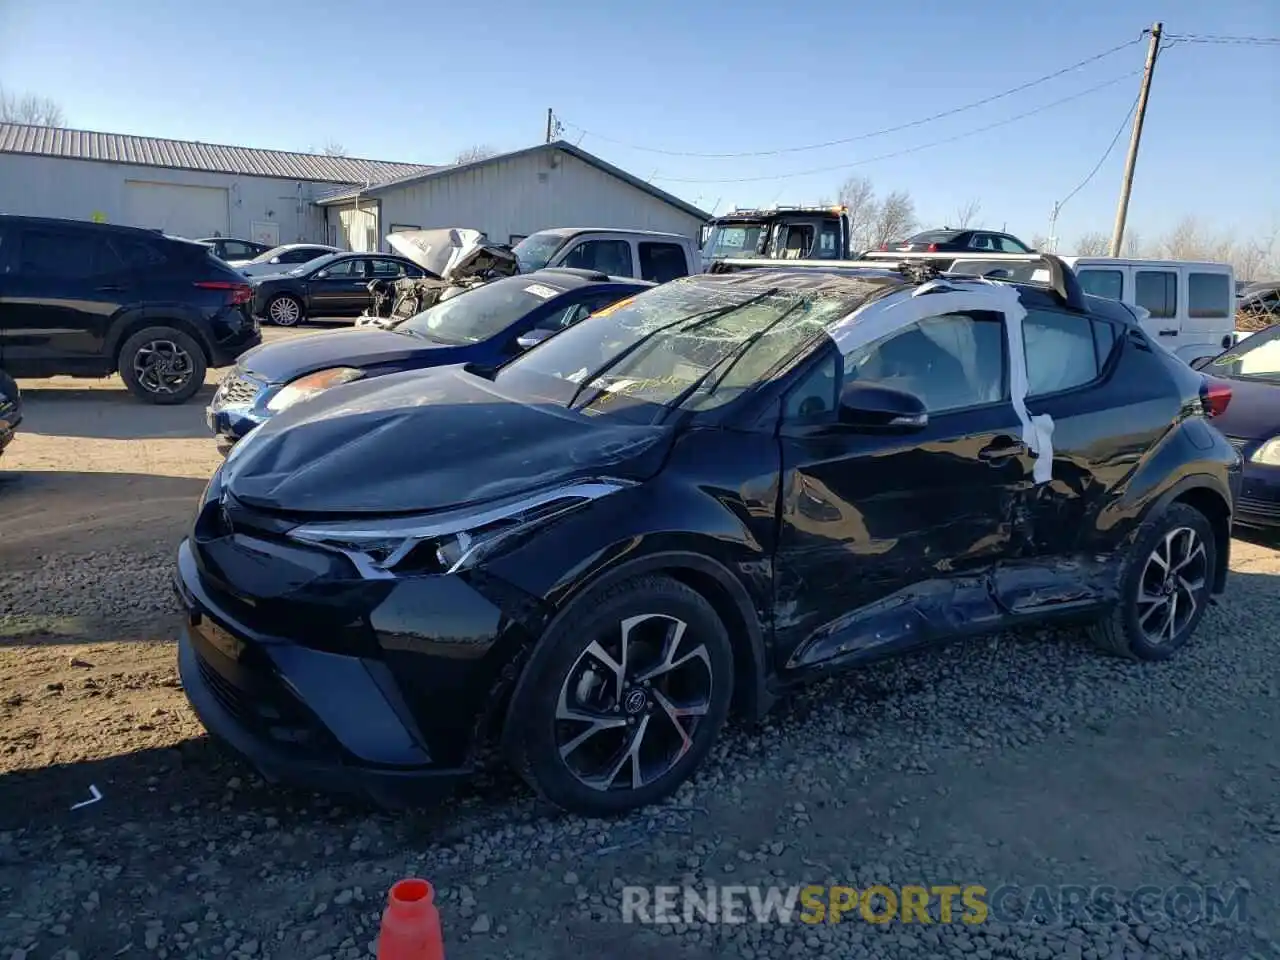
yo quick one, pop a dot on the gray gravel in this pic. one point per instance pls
(1021, 759)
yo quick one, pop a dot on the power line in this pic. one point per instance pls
(1103, 159)
(875, 133)
(916, 149)
(1203, 38)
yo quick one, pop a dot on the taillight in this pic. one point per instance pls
(933, 248)
(239, 292)
(884, 246)
(1214, 397)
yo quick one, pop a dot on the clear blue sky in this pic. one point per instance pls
(419, 82)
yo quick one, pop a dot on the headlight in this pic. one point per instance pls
(1268, 453)
(304, 388)
(450, 541)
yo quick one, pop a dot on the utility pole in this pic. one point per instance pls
(1126, 187)
(549, 117)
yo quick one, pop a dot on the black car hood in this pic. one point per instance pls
(284, 360)
(423, 441)
(1254, 410)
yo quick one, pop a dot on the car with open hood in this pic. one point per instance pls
(484, 326)
(1251, 370)
(686, 504)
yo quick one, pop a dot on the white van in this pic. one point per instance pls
(1192, 304)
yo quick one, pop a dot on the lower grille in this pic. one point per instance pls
(237, 389)
(1239, 442)
(1270, 509)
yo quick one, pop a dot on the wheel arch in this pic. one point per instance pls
(121, 334)
(1203, 493)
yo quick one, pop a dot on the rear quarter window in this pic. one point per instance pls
(1209, 295)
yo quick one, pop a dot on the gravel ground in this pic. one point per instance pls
(1021, 759)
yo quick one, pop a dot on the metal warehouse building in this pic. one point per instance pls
(202, 190)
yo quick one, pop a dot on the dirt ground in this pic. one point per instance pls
(1026, 758)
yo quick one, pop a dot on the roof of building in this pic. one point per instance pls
(340, 196)
(190, 155)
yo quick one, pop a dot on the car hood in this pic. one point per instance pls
(283, 360)
(419, 442)
(1254, 410)
(453, 254)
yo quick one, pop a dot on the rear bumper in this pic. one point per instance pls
(224, 351)
(302, 717)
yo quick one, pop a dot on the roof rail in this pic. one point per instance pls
(917, 267)
(784, 208)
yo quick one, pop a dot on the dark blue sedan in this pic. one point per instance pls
(1251, 421)
(487, 325)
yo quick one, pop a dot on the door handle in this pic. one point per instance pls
(109, 288)
(1002, 449)
(1168, 333)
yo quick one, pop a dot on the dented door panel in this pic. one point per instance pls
(880, 536)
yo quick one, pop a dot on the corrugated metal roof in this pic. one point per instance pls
(209, 157)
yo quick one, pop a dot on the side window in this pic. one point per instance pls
(135, 254)
(1103, 283)
(301, 255)
(1104, 341)
(1009, 245)
(69, 255)
(662, 262)
(1208, 295)
(235, 250)
(828, 247)
(385, 268)
(344, 270)
(1157, 290)
(982, 241)
(951, 361)
(815, 396)
(565, 317)
(1060, 351)
(612, 257)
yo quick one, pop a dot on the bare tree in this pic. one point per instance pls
(1132, 245)
(895, 218)
(29, 108)
(332, 148)
(1039, 242)
(967, 215)
(474, 153)
(1095, 243)
(858, 197)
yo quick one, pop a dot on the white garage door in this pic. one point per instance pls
(177, 209)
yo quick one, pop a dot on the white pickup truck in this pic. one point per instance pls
(643, 254)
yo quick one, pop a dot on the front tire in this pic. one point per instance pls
(285, 311)
(162, 365)
(624, 697)
(1165, 587)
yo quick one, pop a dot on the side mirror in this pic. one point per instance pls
(1199, 363)
(532, 338)
(321, 274)
(877, 408)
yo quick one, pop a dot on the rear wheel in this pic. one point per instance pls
(162, 365)
(285, 311)
(1165, 588)
(624, 700)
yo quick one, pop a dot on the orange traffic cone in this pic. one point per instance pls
(410, 924)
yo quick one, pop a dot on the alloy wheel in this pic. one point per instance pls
(1172, 585)
(162, 366)
(285, 311)
(630, 705)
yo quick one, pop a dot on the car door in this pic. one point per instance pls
(64, 287)
(340, 289)
(884, 538)
(609, 255)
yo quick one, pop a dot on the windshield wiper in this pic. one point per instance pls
(733, 356)
(694, 321)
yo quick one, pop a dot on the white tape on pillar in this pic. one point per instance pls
(937, 297)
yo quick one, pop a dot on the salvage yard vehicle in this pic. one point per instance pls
(89, 299)
(778, 233)
(234, 252)
(948, 240)
(284, 258)
(484, 326)
(645, 254)
(10, 409)
(331, 285)
(690, 502)
(1252, 422)
(454, 260)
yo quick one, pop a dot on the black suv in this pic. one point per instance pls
(693, 500)
(88, 299)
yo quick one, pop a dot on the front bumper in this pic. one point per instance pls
(238, 405)
(1259, 502)
(301, 716)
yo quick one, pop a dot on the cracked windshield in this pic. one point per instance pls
(577, 481)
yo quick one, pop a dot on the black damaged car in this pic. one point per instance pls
(686, 505)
